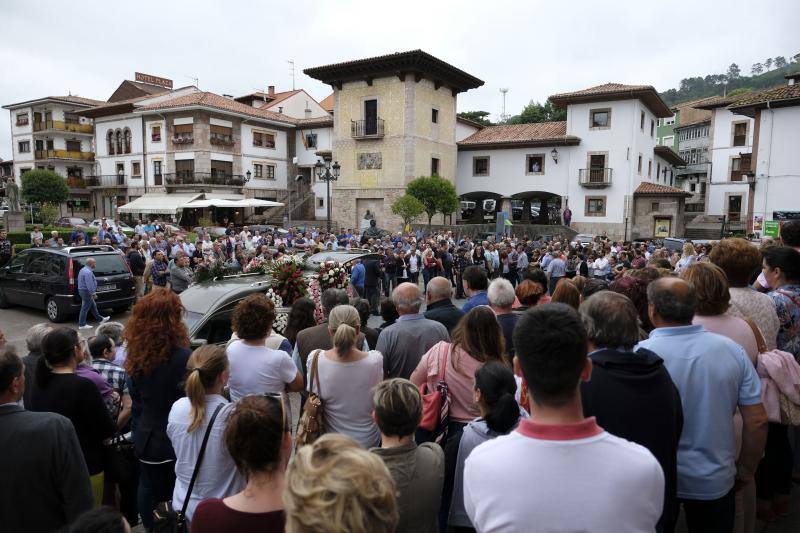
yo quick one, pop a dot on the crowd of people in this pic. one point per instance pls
(603, 387)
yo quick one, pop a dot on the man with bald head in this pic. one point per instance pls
(714, 377)
(439, 306)
(404, 342)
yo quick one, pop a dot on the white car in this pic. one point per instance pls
(582, 239)
(98, 223)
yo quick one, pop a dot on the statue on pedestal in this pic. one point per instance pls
(373, 232)
(12, 195)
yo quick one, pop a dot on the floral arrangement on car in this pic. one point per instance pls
(257, 264)
(331, 275)
(281, 320)
(288, 281)
(212, 270)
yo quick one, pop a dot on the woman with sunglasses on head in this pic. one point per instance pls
(187, 425)
(259, 440)
(58, 389)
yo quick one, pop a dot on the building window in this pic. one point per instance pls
(73, 146)
(668, 140)
(127, 139)
(136, 168)
(649, 168)
(118, 140)
(480, 166)
(71, 118)
(641, 121)
(184, 134)
(652, 127)
(435, 116)
(23, 171)
(263, 139)
(155, 134)
(22, 119)
(38, 145)
(600, 118)
(658, 171)
(654, 206)
(320, 202)
(639, 166)
(270, 174)
(692, 187)
(49, 144)
(258, 170)
(157, 168)
(110, 142)
(221, 135)
(24, 147)
(595, 206)
(434, 166)
(311, 140)
(737, 169)
(534, 164)
(739, 133)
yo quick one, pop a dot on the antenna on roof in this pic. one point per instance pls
(196, 80)
(291, 62)
(503, 116)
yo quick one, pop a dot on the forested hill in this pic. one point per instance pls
(713, 84)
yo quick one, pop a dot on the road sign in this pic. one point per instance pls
(772, 228)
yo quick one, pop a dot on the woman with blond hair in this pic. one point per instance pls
(158, 351)
(344, 377)
(188, 422)
(334, 485)
(688, 257)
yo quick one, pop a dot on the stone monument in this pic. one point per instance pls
(373, 232)
(14, 217)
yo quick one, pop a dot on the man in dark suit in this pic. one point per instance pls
(439, 305)
(372, 277)
(45, 483)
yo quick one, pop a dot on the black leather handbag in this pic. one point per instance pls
(165, 518)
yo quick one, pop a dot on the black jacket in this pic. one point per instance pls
(373, 272)
(633, 397)
(136, 262)
(445, 313)
(45, 484)
(152, 398)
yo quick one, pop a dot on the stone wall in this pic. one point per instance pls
(645, 213)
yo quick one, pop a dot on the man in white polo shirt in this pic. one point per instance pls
(560, 471)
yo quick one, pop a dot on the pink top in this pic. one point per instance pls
(732, 327)
(461, 382)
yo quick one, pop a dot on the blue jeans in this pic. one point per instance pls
(87, 304)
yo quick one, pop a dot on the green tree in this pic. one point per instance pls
(740, 90)
(780, 62)
(44, 187)
(536, 112)
(733, 71)
(408, 208)
(49, 214)
(436, 194)
(768, 63)
(481, 117)
(757, 68)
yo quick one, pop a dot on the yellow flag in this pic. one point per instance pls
(407, 229)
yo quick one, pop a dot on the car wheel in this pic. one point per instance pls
(4, 303)
(54, 311)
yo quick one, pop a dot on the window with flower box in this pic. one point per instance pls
(184, 134)
(221, 135)
(22, 119)
(155, 134)
(263, 139)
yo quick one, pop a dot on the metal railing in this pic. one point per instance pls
(595, 177)
(107, 180)
(366, 129)
(187, 178)
(60, 125)
(64, 154)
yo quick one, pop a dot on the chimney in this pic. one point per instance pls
(271, 90)
(280, 109)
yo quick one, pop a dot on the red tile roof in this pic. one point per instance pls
(777, 97)
(616, 91)
(647, 188)
(70, 99)
(327, 103)
(319, 122)
(535, 134)
(215, 101)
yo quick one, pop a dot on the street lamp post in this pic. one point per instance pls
(327, 173)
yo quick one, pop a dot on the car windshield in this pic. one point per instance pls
(191, 318)
(107, 265)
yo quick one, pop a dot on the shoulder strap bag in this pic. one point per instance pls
(165, 518)
(436, 402)
(312, 422)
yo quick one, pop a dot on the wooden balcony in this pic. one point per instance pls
(66, 155)
(595, 178)
(367, 129)
(61, 126)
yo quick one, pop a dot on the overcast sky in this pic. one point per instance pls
(535, 48)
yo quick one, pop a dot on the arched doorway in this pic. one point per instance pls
(536, 207)
(479, 207)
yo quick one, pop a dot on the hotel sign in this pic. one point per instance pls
(153, 80)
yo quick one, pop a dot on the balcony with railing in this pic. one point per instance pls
(107, 180)
(61, 126)
(192, 179)
(68, 155)
(367, 129)
(595, 178)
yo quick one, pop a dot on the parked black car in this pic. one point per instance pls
(47, 278)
